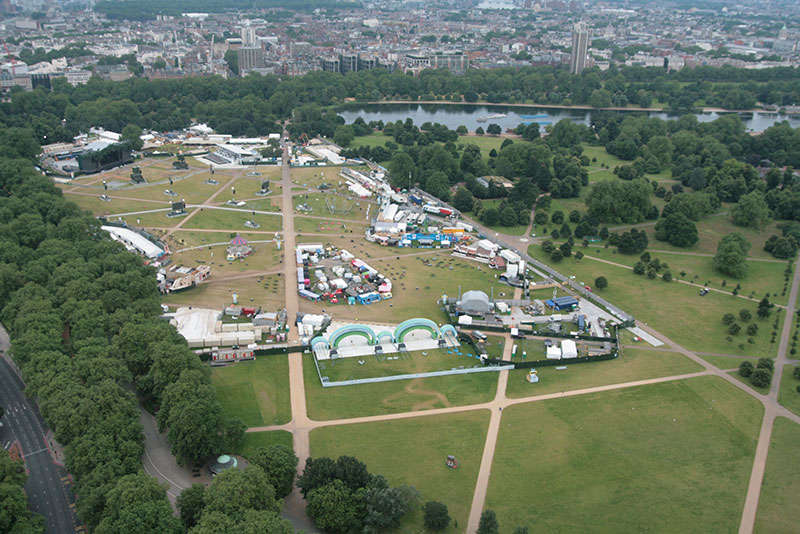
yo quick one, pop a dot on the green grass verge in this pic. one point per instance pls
(673, 309)
(255, 440)
(780, 491)
(397, 364)
(413, 451)
(671, 457)
(231, 219)
(633, 364)
(788, 395)
(746, 382)
(393, 397)
(725, 362)
(256, 392)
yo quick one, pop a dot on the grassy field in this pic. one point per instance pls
(194, 238)
(780, 490)
(711, 229)
(315, 176)
(233, 220)
(393, 397)
(247, 186)
(673, 308)
(255, 440)
(90, 201)
(405, 363)
(266, 291)
(265, 256)
(418, 283)
(671, 457)
(352, 209)
(413, 451)
(485, 142)
(788, 395)
(257, 392)
(632, 365)
(762, 277)
(724, 362)
(334, 227)
(193, 189)
(372, 140)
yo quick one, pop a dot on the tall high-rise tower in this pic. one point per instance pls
(248, 36)
(580, 43)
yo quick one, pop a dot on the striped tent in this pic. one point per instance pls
(238, 241)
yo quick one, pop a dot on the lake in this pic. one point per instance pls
(454, 115)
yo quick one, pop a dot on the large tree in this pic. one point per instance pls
(620, 202)
(751, 211)
(677, 229)
(138, 505)
(731, 255)
(280, 464)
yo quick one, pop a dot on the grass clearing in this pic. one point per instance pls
(256, 391)
(711, 229)
(631, 365)
(218, 293)
(725, 362)
(233, 220)
(762, 277)
(334, 206)
(323, 226)
(788, 396)
(393, 397)
(674, 309)
(413, 451)
(672, 457)
(485, 142)
(352, 368)
(780, 490)
(255, 440)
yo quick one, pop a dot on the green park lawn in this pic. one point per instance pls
(232, 219)
(353, 209)
(247, 186)
(194, 238)
(193, 189)
(417, 290)
(485, 142)
(256, 392)
(788, 395)
(322, 226)
(762, 276)
(90, 200)
(216, 294)
(780, 490)
(413, 451)
(630, 366)
(265, 256)
(255, 440)
(673, 309)
(398, 363)
(669, 457)
(725, 362)
(372, 140)
(711, 229)
(399, 396)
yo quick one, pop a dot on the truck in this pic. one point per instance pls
(446, 212)
(430, 208)
(415, 199)
(477, 334)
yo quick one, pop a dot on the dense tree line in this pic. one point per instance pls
(344, 497)
(82, 313)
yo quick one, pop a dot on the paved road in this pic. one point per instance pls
(48, 487)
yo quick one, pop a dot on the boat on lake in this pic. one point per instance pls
(484, 118)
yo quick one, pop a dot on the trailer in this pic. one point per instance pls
(415, 199)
